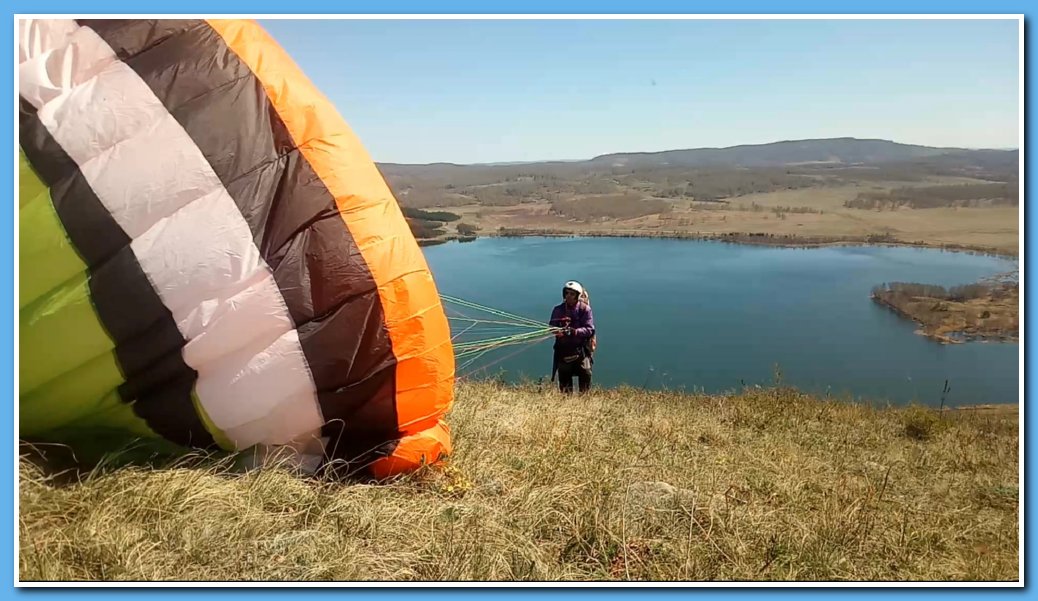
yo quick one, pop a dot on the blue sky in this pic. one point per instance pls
(421, 91)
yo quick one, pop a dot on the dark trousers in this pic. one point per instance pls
(566, 373)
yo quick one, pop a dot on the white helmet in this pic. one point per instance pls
(575, 286)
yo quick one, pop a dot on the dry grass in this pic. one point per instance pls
(821, 198)
(609, 206)
(989, 228)
(618, 485)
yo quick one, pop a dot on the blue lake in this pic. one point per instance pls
(691, 315)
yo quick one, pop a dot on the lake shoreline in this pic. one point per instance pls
(749, 239)
(990, 315)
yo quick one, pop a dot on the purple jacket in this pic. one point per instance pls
(580, 319)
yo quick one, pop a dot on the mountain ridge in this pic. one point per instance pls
(842, 150)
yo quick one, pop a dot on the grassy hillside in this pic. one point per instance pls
(838, 190)
(704, 174)
(624, 484)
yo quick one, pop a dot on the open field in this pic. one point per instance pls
(990, 228)
(852, 191)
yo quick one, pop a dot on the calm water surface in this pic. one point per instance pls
(692, 315)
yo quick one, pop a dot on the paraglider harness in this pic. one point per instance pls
(585, 352)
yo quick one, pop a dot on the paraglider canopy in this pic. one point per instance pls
(209, 257)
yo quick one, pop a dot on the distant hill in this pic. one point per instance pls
(832, 150)
(846, 151)
(699, 173)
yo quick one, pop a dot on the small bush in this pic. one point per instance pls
(467, 229)
(921, 423)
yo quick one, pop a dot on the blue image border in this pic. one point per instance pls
(267, 7)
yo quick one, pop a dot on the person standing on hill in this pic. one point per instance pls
(574, 338)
